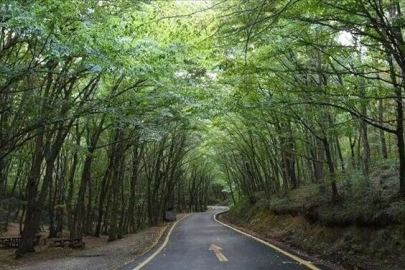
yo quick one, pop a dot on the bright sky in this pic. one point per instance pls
(345, 38)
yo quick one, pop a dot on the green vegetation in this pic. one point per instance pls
(112, 112)
(97, 123)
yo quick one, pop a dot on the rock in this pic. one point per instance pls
(170, 216)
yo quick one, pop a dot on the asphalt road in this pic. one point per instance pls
(194, 245)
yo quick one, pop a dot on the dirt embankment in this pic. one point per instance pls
(352, 236)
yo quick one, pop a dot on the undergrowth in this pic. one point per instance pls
(365, 229)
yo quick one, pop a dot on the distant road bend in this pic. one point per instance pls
(200, 243)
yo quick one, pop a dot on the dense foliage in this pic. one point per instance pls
(318, 88)
(112, 112)
(96, 117)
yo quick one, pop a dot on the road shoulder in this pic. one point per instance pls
(154, 250)
(299, 256)
(98, 254)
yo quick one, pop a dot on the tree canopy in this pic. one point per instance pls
(112, 112)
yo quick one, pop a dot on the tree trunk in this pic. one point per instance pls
(331, 167)
(384, 150)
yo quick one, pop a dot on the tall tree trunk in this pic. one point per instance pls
(29, 229)
(331, 167)
(384, 150)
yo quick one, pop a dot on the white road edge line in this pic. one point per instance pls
(151, 257)
(301, 261)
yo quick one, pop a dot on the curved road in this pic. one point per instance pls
(200, 243)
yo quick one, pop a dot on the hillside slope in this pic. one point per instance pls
(360, 233)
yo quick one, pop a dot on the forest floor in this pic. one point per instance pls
(98, 253)
(364, 230)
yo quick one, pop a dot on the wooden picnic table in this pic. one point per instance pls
(14, 241)
(75, 242)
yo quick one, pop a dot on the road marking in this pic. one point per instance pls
(151, 257)
(217, 250)
(299, 260)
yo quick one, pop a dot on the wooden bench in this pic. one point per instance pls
(67, 242)
(14, 242)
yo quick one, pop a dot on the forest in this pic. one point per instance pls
(114, 111)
